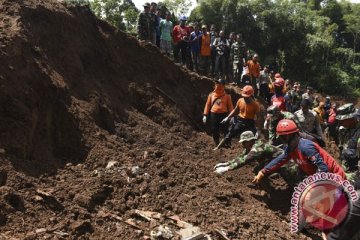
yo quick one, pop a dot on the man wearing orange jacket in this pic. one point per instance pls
(218, 106)
(244, 116)
(254, 72)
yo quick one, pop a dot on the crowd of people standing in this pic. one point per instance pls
(298, 122)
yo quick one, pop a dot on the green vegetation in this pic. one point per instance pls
(316, 42)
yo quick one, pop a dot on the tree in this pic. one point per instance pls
(178, 7)
(119, 13)
(353, 25)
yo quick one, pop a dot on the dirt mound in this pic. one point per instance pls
(94, 126)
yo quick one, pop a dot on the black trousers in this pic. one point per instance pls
(221, 66)
(213, 61)
(216, 127)
(264, 91)
(180, 46)
(239, 125)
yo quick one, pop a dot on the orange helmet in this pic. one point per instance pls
(247, 91)
(279, 82)
(286, 126)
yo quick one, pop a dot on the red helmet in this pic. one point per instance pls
(286, 126)
(247, 91)
(279, 82)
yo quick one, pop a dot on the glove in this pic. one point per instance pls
(224, 120)
(221, 165)
(258, 177)
(204, 119)
(221, 170)
(258, 132)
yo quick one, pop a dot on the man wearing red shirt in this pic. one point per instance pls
(309, 156)
(180, 35)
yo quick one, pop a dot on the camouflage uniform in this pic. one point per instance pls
(273, 123)
(237, 54)
(263, 153)
(349, 139)
(143, 27)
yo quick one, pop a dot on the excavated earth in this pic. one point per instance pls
(94, 125)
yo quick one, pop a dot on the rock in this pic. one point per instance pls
(191, 233)
(12, 198)
(40, 230)
(162, 232)
(135, 170)
(81, 227)
(111, 164)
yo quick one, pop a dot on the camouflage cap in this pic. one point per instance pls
(247, 136)
(146, 5)
(346, 111)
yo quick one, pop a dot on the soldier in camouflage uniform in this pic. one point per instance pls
(349, 136)
(274, 115)
(144, 24)
(237, 56)
(263, 153)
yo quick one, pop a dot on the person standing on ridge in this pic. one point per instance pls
(205, 50)
(143, 24)
(254, 72)
(166, 27)
(180, 34)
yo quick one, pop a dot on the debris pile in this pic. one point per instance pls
(94, 125)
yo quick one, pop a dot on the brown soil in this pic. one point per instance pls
(75, 94)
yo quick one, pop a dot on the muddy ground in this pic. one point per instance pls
(94, 125)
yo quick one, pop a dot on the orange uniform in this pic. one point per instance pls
(205, 50)
(247, 111)
(218, 104)
(253, 69)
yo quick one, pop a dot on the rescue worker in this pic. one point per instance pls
(278, 98)
(143, 24)
(237, 55)
(309, 121)
(348, 118)
(218, 106)
(205, 50)
(242, 117)
(274, 115)
(254, 72)
(309, 156)
(262, 153)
